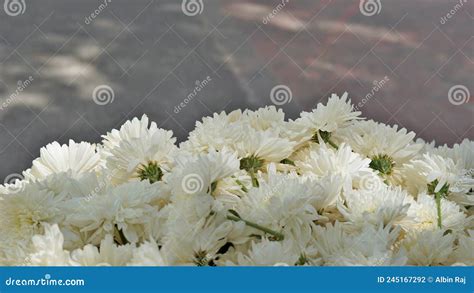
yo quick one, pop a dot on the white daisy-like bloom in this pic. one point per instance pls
(196, 174)
(424, 213)
(267, 146)
(268, 253)
(214, 132)
(463, 157)
(230, 189)
(387, 146)
(225, 130)
(462, 153)
(324, 121)
(138, 151)
(265, 118)
(196, 243)
(385, 205)
(73, 158)
(431, 169)
(428, 247)
(323, 161)
(23, 213)
(282, 203)
(369, 247)
(124, 211)
(464, 252)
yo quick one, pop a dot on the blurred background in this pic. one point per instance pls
(76, 69)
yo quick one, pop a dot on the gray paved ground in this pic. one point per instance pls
(151, 54)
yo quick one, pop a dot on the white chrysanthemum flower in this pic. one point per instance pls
(462, 153)
(424, 213)
(266, 146)
(428, 247)
(269, 253)
(387, 146)
(73, 158)
(369, 247)
(463, 157)
(431, 169)
(464, 252)
(385, 205)
(282, 203)
(231, 189)
(214, 132)
(198, 174)
(323, 161)
(323, 122)
(265, 118)
(48, 248)
(138, 151)
(124, 211)
(22, 213)
(195, 243)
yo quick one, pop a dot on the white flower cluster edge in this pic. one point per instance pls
(247, 188)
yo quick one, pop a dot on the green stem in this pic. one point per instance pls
(278, 236)
(438, 207)
(330, 142)
(254, 178)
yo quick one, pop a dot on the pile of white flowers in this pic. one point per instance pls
(247, 188)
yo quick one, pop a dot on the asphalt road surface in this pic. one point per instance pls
(405, 63)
